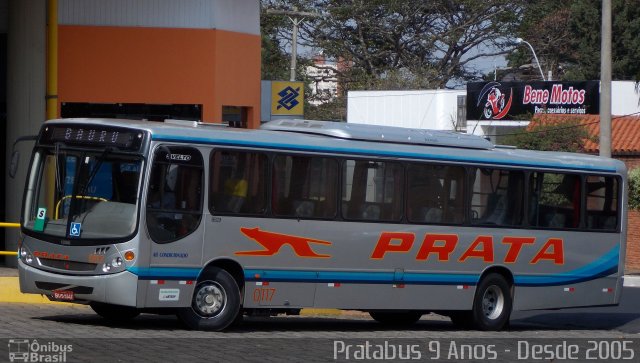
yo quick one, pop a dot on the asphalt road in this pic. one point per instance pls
(601, 332)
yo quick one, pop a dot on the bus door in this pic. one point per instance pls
(173, 221)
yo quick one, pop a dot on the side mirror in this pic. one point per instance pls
(15, 160)
(15, 154)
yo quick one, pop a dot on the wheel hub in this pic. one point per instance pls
(492, 302)
(210, 299)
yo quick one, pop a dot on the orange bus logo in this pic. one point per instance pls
(273, 242)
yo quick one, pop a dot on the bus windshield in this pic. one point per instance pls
(83, 195)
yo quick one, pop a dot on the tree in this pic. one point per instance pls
(566, 135)
(275, 61)
(586, 27)
(431, 44)
(546, 24)
(634, 189)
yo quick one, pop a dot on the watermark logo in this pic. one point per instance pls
(25, 350)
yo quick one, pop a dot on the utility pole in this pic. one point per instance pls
(605, 81)
(296, 17)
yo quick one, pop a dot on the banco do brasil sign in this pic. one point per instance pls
(507, 100)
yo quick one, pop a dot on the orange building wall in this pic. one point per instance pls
(160, 66)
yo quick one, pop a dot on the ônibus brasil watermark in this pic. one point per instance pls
(32, 351)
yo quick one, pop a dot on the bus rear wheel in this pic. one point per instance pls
(215, 304)
(396, 317)
(492, 303)
(116, 313)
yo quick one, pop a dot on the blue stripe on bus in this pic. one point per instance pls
(348, 151)
(165, 273)
(604, 266)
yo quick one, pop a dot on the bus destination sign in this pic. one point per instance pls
(93, 136)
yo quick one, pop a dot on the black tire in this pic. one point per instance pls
(396, 317)
(492, 303)
(215, 304)
(117, 313)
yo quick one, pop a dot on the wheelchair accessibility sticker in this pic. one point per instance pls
(74, 231)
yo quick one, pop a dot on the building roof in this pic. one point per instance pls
(625, 131)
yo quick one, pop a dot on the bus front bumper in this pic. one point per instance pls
(118, 288)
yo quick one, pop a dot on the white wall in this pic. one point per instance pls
(423, 109)
(624, 98)
(241, 16)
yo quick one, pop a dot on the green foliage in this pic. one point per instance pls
(546, 25)
(634, 189)
(335, 110)
(567, 135)
(586, 27)
(275, 61)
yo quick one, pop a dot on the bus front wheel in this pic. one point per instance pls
(492, 303)
(215, 304)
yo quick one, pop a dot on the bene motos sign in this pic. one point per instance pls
(511, 100)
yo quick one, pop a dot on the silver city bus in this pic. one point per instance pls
(214, 223)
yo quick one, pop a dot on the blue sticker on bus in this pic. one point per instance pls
(74, 230)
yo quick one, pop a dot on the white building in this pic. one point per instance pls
(324, 84)
(446, 109)
(420, 109)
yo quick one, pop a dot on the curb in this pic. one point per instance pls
(10, 293)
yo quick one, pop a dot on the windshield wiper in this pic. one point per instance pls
(94, 171)
(59, 187)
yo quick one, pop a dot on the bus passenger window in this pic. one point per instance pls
(174, 201)
(304, 187)
(238, 182)
(435, 194)
(602, 203)
(555, 200)
(497, 197)
(372, 190)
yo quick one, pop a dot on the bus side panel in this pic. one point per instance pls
(394, 296)
(590, 293)
(278, 294)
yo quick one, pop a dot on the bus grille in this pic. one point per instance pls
(68, 265)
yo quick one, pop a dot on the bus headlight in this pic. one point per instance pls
(116, 262)
(28, 259)
(106, 267)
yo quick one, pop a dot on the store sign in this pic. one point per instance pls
(506, 100)
(287, 98)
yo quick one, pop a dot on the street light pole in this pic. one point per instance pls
(520, 40)
(296, 17)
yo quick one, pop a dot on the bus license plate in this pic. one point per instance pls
(63, 295)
